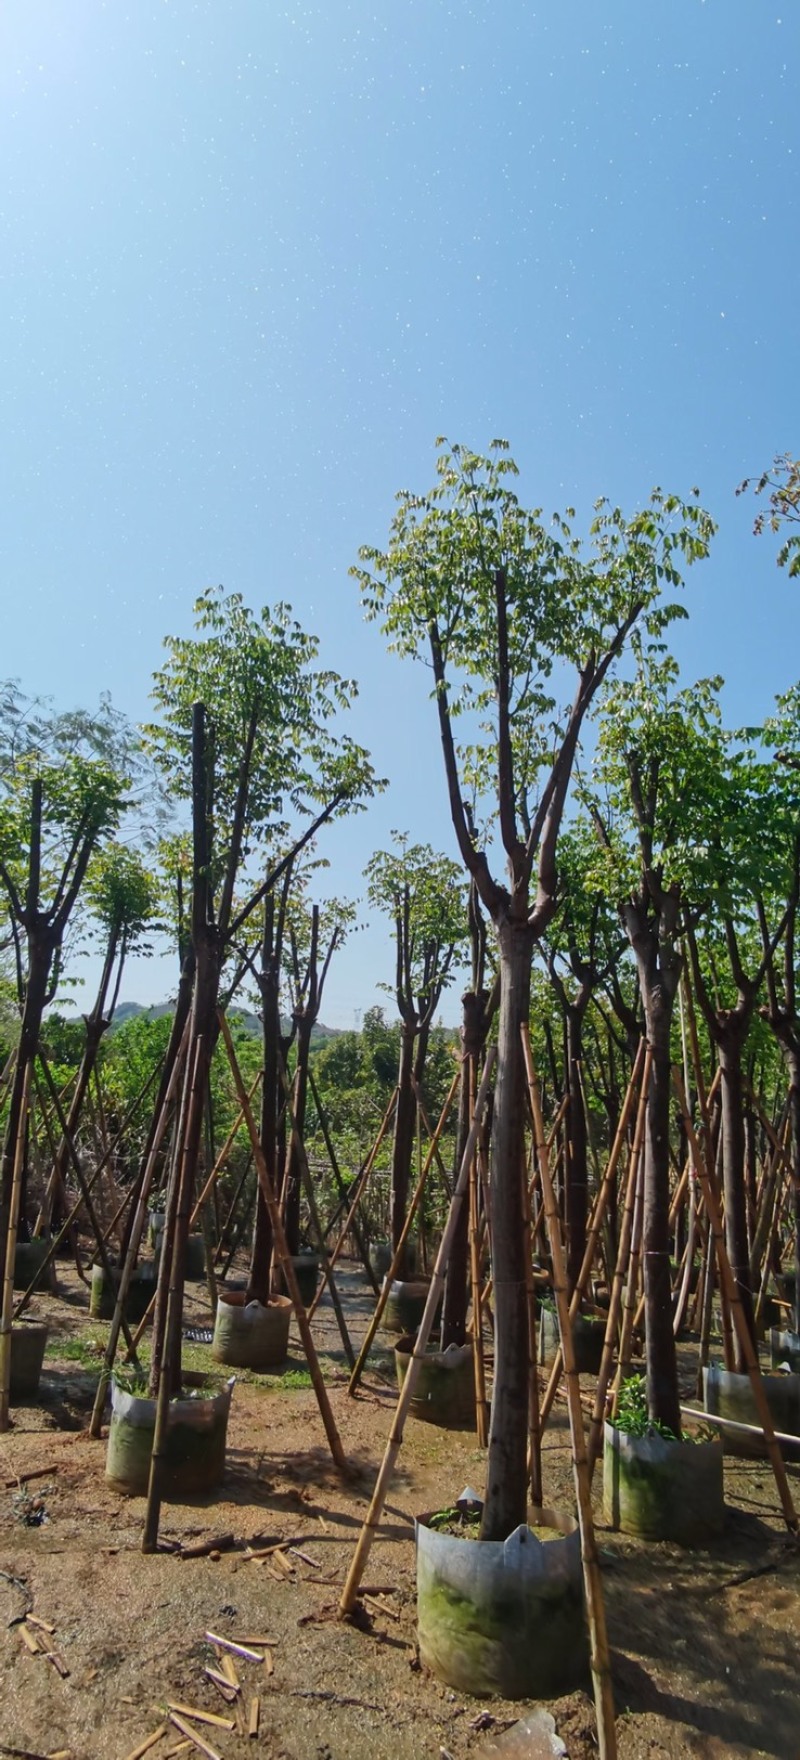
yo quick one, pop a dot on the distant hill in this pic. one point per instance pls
(127, 1011)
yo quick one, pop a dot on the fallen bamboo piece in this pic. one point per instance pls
(378, 1606)
(148, 1743)
(197, 1741)
(32, 1619)
(254, 1716)
(238, 1649)
(221, 1682)
(367, 1535)
(58, 1663)
(201, 1716)
(201, 1548)
(228, 1670)
(30, 1640)
(735, 1424)
(177, 1748)
(599, 1653)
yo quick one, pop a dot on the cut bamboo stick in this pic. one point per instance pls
(148, 1743)
(254, 1715)
(200, 1716)
(237, 1649)
(196, 1740)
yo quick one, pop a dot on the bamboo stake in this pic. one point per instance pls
(596, 1223)
(368, 1532)
(283, 1255)
(623, 1261)
(305, 1173)
(749, 1353)
(595, 1610)
(134, 1243)
(343, 1193)
(534, 1421)
(359, 1192)
(11, 1248)
(398, 1253)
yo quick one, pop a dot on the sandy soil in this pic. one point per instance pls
(706, 1643)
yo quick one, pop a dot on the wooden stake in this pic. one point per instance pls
(283, 1256)
(596, 1222)
(595, 1610)
(747, 1347)
(623, 1260)
(398, 1254)
(359, 1192)
(148, 1743)
(368, 1532)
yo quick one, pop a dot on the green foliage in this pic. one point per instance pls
(782, 480)
(123, 896)
(564, 600)
(255, 673)
(425, 897)
(631, 1416)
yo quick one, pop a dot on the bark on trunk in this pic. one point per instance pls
(41, 950)
(577, 1177)
(507, 1480)
(473, 1038)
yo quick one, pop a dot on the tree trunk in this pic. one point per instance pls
(793, 1062)
(507, 1480)
(294, 1182)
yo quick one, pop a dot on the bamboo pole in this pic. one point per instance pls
(361, 1183)
(596, 1223)
(305, 1173)
(747, 1347)
(623, 1261)
(11, 1247)
(398, 1252)
(343, 1193)
(169, 1365)
(598, 1641)
(369, 1529)
(135, 1242)
(283, 1256)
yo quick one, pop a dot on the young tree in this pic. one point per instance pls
(659, 762)
(496, 601)
(58, 804)
(424, 896)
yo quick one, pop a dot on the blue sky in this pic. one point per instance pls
(255, 257)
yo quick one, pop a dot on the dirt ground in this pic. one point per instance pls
(706, 1643)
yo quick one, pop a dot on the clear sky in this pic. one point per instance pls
(255, 257)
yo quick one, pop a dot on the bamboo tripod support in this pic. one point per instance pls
(398, 1253)
(595, 1608)
(360, 1188)
(283, 1255)
(595, 1226)
(623, 1257)
(327, 1268)
(135, 1242)
(11, 1248)
(728, 1284)
(368, 1532)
